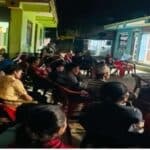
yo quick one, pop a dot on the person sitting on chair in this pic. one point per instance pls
(114, 121)
(42, 129)
(102, 74)
(71, 80)
(57, 68)
(36, 68)
(11, 87)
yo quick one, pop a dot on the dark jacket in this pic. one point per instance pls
(107, 125)
(109, 118)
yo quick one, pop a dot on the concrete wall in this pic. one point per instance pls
(18, 32)
(15, 31)
(30, 16)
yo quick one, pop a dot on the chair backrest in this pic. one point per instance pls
(65, 96)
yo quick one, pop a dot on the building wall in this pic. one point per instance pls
(40, 37)
(144, 52)
(15, 31)
(18, 32)
(23, 36)
(31, 16)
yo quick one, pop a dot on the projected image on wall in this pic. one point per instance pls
(99, 47)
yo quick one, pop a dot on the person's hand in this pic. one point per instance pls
(84, 93)
(138, 127)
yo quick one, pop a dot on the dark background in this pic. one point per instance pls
(86, 14)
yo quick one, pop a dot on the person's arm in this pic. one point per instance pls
(20, 90)
(26, 97)
(84, 93)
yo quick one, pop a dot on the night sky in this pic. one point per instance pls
(85, 13)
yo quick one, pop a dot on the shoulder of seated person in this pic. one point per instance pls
(17, 81)
(9, 77)
(132, 110)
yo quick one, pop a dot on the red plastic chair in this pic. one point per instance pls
(10, 111)
(122, 67)
(7, 117)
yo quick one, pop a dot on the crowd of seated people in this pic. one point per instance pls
(109, 123)
(115, 120)
(107, 119)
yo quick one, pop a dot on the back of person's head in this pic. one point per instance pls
(24, 57)
(33, 60)
(57, 64)
(46, 119)
(10, 69)
(114, 92)
(44, 123)
(69, 67)
(102, 71)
